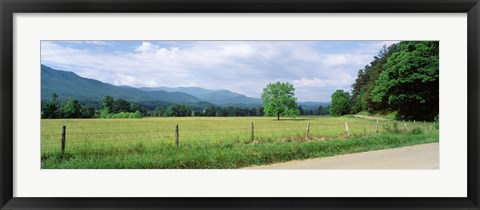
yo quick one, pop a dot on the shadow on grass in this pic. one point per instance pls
(57, 157)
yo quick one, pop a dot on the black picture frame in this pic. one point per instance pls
(10, 7)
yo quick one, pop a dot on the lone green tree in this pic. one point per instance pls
(278, 99)
(340, 104)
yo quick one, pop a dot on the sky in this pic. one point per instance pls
(315, 68)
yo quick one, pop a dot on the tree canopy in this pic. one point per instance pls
(340, 104)
(362, 99)
(69, 108)
(278, 99)
(402, 77)
(72, 109)
(409, 82)
(178, 110)
(50, 110)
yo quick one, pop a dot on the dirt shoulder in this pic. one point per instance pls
(370, 117)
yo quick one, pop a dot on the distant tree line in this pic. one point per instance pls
(71, 108)
(403, 77)
(321, 110)
(120, 108)
(179, 110)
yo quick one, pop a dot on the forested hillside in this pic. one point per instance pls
(69, 85)
(403, 77)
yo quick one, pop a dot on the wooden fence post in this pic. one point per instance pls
(308, 129)
(405, 125)
(346, 129)
(64, 132)
(376, 127)
(176, 135)
(252, 133)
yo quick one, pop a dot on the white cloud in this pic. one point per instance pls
(146, 47)
(97, 42)
(337, 80)
(122, 79)
(240, 66)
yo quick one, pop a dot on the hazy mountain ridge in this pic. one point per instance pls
(189, 90)
(219, 97)
(70, 85)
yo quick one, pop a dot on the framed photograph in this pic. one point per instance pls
(239, 104)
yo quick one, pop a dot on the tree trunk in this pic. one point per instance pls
(278, 116)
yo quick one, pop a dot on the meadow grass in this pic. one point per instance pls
(215, 142)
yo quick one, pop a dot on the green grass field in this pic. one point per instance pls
(216, 142)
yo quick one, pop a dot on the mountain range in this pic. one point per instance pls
(220, 97)
(69, 85)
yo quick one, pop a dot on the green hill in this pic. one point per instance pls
(70, 85)
(219, 97)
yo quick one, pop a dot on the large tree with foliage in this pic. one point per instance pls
(178, 110)
(340, 103)
(120, 105)
(278, 99)
(72, 109)
(106, 106)
(409, 82)
(88, 111)
(51, 109)
(107, 103)
(362, 99)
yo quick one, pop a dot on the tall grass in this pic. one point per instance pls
(214, 142)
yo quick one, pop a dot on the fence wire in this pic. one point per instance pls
(163, 134)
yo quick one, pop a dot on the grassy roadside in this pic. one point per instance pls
(230, 154)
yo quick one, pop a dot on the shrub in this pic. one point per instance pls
(103, 113)
(391, 129)
(416, 131)
(436, 122)
(121, 115)
(138, 114)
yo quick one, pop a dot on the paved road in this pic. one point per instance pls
(425, 156)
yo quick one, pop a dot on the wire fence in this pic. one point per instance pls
(125, 136)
